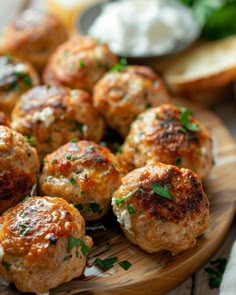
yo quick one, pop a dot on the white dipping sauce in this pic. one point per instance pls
(144, 27)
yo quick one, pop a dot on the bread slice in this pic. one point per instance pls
(205, 71)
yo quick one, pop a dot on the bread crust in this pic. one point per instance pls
(215, 72)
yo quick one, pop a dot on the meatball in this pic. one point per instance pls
(79, 63)
(170, 135)
(42, 244)
(33, 36)
(122, 95)
(84, 174)
(19, 167)
(52, 116)
(16, 76)
(161, 207)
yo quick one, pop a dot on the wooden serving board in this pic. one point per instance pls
(158, 273)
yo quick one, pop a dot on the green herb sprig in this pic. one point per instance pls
(215, 273)
(73, 242)
(162, 191)
(184, 118)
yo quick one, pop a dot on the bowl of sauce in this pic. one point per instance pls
(138, 28)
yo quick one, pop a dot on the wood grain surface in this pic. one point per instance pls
(158, 273)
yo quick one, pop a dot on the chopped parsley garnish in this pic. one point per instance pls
(92, 148)
(23, 76)
(177, 161)
(8, 57)
(80, 126)
(215, 273)
(68, 157)
(194, 169)
(148, 105)
(162, 191)
(67, 257)
(125, 264)
(48, 140)
(29, 138)
(108, 246)
(120, 66)
(75, 158)
(131, 209)
(73, 242)
(74, 140)
(25, 198)
(106, 263)
(79, 207)
(119, 150)
(12, 86)
(25, 228)
(72, 181)
(94, 207)
(130, 194)
(6, 265)
(115, 165)
(184, 118)
(81, 64)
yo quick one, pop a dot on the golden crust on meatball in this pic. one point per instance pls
(84, 174)
(122, 95)
(42, 244)
(52, 116)
(16, 76)
(19, 167)
(161, 207)
(79, 63)
(170, 135)
(33, 36)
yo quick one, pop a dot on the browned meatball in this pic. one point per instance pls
(42, 244)
(16, 76)
(170, 135)
(161, 207)
(79, 63)
(122, 95)
(33, 36)
(52, 116)
(19, 167)
(4, 120)
(84, 174)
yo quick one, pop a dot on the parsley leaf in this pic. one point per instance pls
(73, 242)
(215, 273)
(125, 264)
(79, 207)
(94, 207)
(162, 191)
(72, 181)
(131, 209)
(130, 194)
(6, 265)
(120, 66)
(184, 118)
(177, 161)
(106, 263)
(25, 228)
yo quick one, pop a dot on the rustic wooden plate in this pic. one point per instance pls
(158, 273)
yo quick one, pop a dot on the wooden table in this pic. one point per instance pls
(197, 284)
